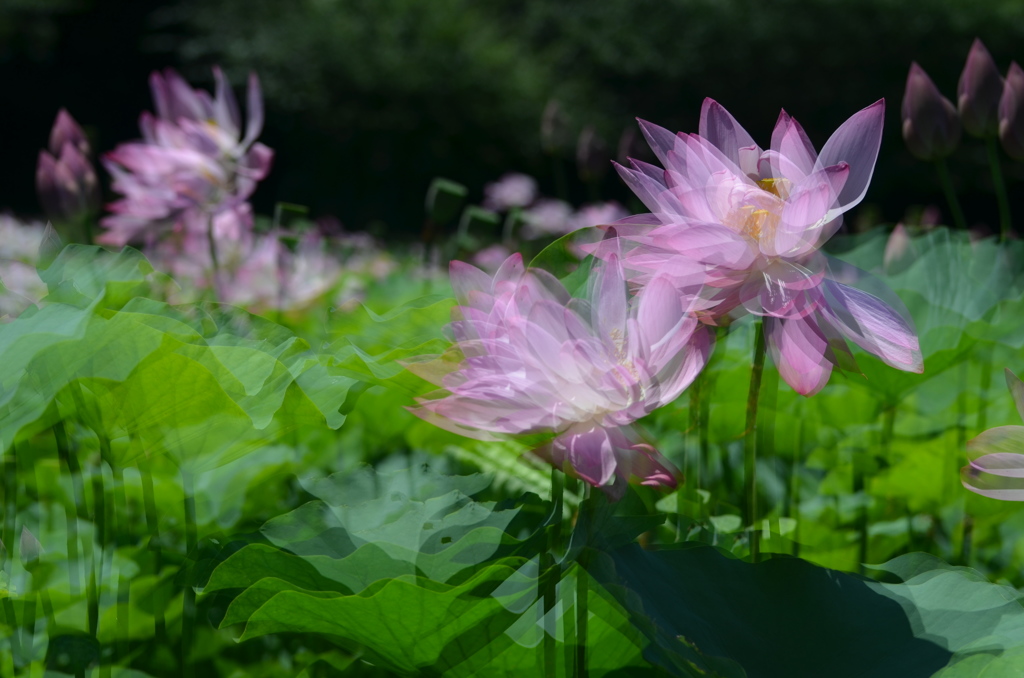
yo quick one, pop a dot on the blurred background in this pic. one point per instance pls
(369, 100)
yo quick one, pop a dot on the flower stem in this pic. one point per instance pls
(188, 602)
(947, 187)
(71, 513)
(212, 243)
(1000, 185)
(750, 442)
(548, 574)
(120, 529)
(582, 613)
(149, 501)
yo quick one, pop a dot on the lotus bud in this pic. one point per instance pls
(554, 128)
(931, 127)
(592, 158)
(67, 186)
(979, 92)
(30, 548)
(899, 251)
(1011, 113)
(66, 131)
(633, 146)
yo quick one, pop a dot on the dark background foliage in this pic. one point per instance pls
(368, 100)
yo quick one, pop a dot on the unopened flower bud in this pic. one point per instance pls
(931, 127)
(30, 548)
(979, 92)
(592, 159)
(67, 185)
(1011, 113)
(66, 131)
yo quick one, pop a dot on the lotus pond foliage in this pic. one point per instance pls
(726, 437)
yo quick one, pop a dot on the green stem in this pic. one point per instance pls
(548, 574)
(750, 442)
(693, 457)
(10, 481)
(792, 507)
(212, 244)
(70, 512)
(188, 604)
(582, 592)
(121, 530)
(1000, 185)
(149, 502)
(947, 187)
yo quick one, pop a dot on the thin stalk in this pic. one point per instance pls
(548, 574)
(188, 604)
(750, 442)
(582, 592)
(121, 529)
(212, 244)
(765, 426)
(1000, 185)
(99, 511)
(70, 512)
(10, 481)
(791, 508)
(693, 457)
(968, 520)
(888, 424)
(947, 187)
(149, 501)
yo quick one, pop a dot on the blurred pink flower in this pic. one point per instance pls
(512, 190)
(738, 229)
(491, 258)
(597, 214)
(996, 468)
(193, 169)
(20, 285)
(65, 177)
(536, 361)
(548, 217)
(258, 271)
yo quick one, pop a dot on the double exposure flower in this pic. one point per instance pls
(996, 467)
(1011, 113)
(979, 91)
(739, 229)
(65, 178)
(194, 168)
(533, 360)
(931, 126)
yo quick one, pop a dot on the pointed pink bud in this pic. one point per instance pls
(66, 131)
(931, 126)
(1011, 113)
(979, 92)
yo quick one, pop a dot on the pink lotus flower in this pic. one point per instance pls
(931, 126)
(535, 361)
(979, 91)
(65, 178)
(1011, 113)
(548, 217)
(738, 229)
(512, 190)
(194, 169)
(996, 468)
